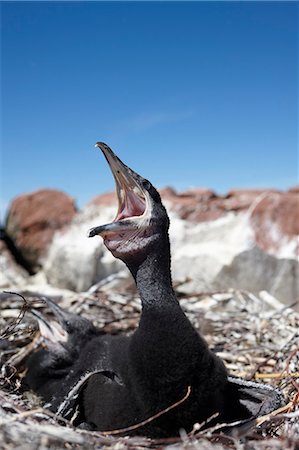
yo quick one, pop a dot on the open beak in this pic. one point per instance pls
(62, 315)
(133, 199)
(52, 332)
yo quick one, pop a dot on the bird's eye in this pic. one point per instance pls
(146, 184)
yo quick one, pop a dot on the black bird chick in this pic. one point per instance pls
(121, 381)
(64, 339)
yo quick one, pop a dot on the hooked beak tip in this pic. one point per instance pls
(91, 233)
(101, 145)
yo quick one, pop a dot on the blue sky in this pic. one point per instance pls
(186, 93)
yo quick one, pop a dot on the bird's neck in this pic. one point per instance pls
(152, 275)
(164, 339)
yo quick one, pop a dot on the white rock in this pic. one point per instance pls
(11, 274)
(222, 254)
(75, 261)
(215, 255)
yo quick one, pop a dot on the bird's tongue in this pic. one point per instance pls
(131, 206)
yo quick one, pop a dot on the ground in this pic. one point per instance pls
(255, 335)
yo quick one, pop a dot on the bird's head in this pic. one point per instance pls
(67, 333)
(141, 218)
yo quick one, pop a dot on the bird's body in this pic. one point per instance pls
(121, 381)
(132, 378)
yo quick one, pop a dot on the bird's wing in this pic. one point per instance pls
(258, 398)
(95, 362)
(67, 407)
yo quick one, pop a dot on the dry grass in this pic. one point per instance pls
(255, 336)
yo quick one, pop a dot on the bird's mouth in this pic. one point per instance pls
(52, 331)
(133, 199)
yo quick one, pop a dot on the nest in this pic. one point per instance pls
(255, 336)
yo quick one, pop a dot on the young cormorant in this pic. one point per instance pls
(119, 381)
(64, 339)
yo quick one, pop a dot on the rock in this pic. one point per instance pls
(274, 215)
(11, 274)
(33, 219)
(197, 205)
(244, 199)
(294, 189)
(223, 254)
(275, 220)
(200, 251)
(77, 262)
(106, 199)
(256, 269)
(245, 240)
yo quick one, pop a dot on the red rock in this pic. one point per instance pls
(276, 218)
(106, 199)
(199, 194)
(242, 199)
(248, 192)
(167, 192)
(33, 219)
(274, 215)
(192, 204)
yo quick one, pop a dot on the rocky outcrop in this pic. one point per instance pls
(254, 268)
(33, 219)
(203, 205)
(247, 239)
(273, 215)
(275, 221)
(223, 254)
(11, 273)
(75, 261)
(207, 256)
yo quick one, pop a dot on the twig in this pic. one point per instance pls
(21, 415)
(222, 425)
(197, 427)
(295, 400)
(11, 327)
(17, 358)
(272, 355)
(267, 417)
(278, 375)
(150, 419)
(290, 357)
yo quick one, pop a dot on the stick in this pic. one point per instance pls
(150, 419)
